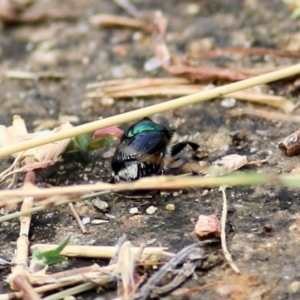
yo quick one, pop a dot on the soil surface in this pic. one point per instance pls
(265, 220)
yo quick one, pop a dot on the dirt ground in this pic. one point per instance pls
(265, 220)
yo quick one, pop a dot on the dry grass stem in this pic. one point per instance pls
(168, 86)
(55, 203)
(125, 270)
(77, 218)
(129, 8)
(24, 75)
(135, 83)
(101, 251)
(226, 253)
(113, 20)
(73, 291)
(244, 51)
(263, 113)
(150, 110)
(160, 182)
(95, 274)
(18, 279)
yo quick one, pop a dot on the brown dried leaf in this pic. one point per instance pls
(18, 133)
(228, 164)
(290, 145)
(126, 269)
(53, 150)
(205, 74)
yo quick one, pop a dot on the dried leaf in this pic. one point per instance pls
(290, 145)
(126, 268)
(228, 164)
(18, 133)
(53, 150)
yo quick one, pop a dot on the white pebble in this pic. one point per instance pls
(133, 210)
(170, 206)
(228, 102)
(151, 210)
(86, 220)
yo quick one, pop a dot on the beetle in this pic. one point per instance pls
(145, 149)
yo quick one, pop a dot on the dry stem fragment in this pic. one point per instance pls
(77, 218)
(99, 251)
(226, 253)
(147, 87)
(113, 20)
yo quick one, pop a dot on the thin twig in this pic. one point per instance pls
(171, 265)
(150, 110)
(158, 182)
(227, 254)
(77, 218)
(129, 8)
(46, 206)
(121, 241)
(72, 291)
(262, 113)
(185, 272)
(18, 279)
(99, 251)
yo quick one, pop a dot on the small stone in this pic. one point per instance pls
(107, 101)
(151, 210)
(98, 221)
(86, 220)
(69, 298)
(192, 9)
(294, 287)
(110, 216)
(170, 206)
(152, 64)
(228, 102)
(253, 150)
(208, 227)
(133, 210)
(137, 218)
(102, 205)
(204, 193)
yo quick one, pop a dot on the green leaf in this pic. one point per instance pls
(97, 143)
(296, 13)
(80, 142)
(52, 256)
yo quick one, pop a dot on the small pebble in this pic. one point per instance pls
(98, 221)
(253, 150)
(86, 220)
(228, 102)
(170, 206)
(133, 210)
(294, 287)
(102, 205)
(204, 193)
(110, 216)
(151, 210)
(69, 298)
(192, 9)
(152, 64)
(107, 101)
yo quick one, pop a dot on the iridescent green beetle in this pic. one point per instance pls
(144, 150)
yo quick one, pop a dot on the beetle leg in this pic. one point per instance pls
(175, 149)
